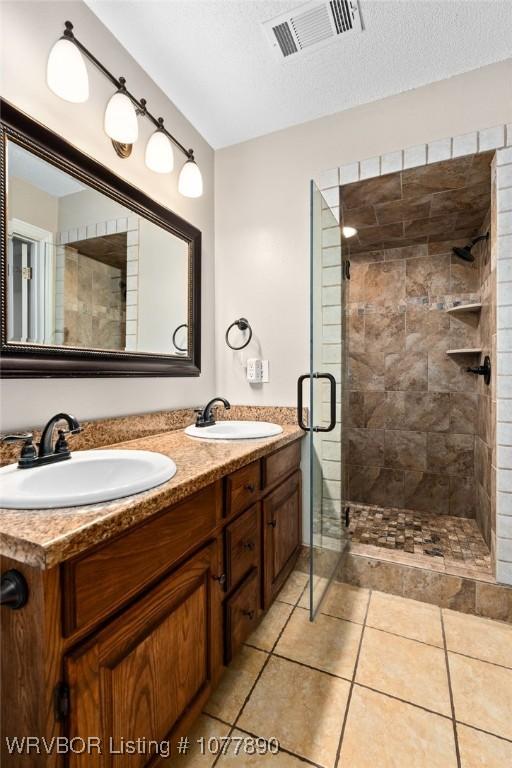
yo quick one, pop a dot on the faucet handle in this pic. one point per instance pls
(28, 453)
(27, 437)
(74, 431)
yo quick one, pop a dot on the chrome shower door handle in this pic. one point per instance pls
(330, 378)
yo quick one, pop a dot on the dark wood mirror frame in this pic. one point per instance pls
(38, 361)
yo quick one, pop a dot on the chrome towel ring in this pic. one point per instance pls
(243, 325)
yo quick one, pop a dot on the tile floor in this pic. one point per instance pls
(377, 681)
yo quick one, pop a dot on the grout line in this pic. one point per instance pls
(452, 704)
(477, 658)
(403, 701)
(482, 730)
(349, 698)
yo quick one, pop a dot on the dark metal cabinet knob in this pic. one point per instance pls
(13, 590)
(250, 487)
(249, 614)
(249, 545)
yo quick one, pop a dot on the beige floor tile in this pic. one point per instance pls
(328, 644)
(243, 760)
(268, 631)
(293, 587)
(386, 733)
(404, 668)
(482, 694)
(301, 707)
(346, 602)
(479, 750)
(229, 696)
(418, 621)
(207, 728)
(482, 638)
(320, 584)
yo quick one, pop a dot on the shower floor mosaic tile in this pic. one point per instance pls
(453, 541)
(376, 681)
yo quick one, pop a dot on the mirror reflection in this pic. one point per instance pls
(87, 272)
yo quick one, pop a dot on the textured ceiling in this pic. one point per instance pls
(213, 60)
(431, 204)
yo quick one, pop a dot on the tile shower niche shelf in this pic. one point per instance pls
(466, 351)
(464, 308)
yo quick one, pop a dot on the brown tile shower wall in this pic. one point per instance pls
(419, 433)
(94, 303)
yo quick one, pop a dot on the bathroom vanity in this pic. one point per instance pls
(135, 606)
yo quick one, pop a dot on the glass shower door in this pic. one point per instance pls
(326, 380)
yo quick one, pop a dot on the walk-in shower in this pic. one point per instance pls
(403, 316)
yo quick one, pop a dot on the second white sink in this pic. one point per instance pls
(235, 430)
(87, 477)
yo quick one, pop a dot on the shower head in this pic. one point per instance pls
(465, 252)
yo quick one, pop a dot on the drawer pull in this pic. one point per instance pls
(273, 523)
(221, 579)
(249, 614)
(250, 545)
(250, 487)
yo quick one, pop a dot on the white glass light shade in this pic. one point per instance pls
(159, 153)
(121, 119)
(66, 73)
(349, 231)
(190, 183)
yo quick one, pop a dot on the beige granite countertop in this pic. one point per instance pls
(46, 537)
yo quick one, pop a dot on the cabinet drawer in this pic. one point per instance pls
(242, 488)
(242, 613)
(104, 578)
(280, 464)
(242, 545)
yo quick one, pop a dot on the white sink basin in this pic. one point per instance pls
(86, 478)
(235, 430)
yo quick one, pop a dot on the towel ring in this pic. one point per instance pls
(243, 325)
(180, 349)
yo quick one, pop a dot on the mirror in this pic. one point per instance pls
(85, 271)
(88, 271)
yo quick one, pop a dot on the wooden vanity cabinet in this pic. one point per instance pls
(128, 638)
(282, 535)
(140, 675)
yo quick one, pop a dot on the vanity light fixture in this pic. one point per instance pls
(121, 118)
(66, 76)
(159, 153)
(66, 73)
(349, 231)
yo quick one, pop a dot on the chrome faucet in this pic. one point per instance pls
(205, 416)
(47, 453)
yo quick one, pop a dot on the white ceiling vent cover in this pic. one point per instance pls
(312, 26)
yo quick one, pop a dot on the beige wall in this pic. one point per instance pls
(39, 24)
(31, 205)
(262, 210)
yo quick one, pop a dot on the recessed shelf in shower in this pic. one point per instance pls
(468, 351)
(464, 308)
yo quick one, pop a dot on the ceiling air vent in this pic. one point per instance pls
(312, 26)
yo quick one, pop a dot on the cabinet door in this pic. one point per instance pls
(149, 671)
(282, 531)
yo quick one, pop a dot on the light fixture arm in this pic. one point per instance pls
(120, 84)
